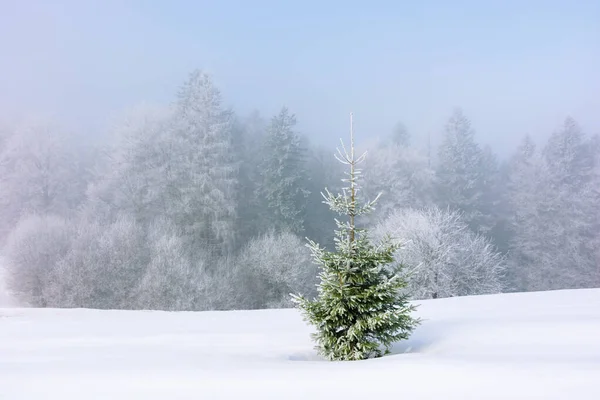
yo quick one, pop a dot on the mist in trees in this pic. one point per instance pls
(443, 256)
(283, 187)
(553, 208)
(192, 206)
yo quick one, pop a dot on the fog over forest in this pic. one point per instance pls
(172, 155)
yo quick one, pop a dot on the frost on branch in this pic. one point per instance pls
(444, 256)
(275, 265)
(32, 252)
(38, 174)
(283, 177)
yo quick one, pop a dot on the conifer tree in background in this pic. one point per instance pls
(248, 140)
(360, 310)
(202, 177)
(400, 135)
(284, 179)
(323, 171)
(461, 173)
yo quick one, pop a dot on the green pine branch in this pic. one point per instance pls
(361, 308)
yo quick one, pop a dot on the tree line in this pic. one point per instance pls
(194, 207)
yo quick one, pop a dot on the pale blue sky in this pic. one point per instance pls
(515, 67)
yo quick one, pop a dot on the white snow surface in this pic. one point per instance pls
(543, 345)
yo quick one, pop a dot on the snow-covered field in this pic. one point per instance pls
(515, 346)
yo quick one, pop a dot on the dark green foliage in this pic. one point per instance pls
(361, 308)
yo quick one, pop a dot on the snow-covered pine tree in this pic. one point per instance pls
(249, 135)
(202, 174)
(554, 202)
(524, 191)
(284, 179)
(360, 310)
(461, 173)
(567, 212)
(132, 178)
(38, 174)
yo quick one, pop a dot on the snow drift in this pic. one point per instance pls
(543, 345)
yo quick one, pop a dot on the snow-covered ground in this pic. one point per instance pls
(515, 346)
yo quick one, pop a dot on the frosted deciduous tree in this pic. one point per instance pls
(444, 257)
(171, 280)
(284, 179)
(31, 255)
(5, 296)
(38, 174)
(275, 265)
(104, 265)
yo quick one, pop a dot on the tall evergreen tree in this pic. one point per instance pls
(284, 179)
(554, 215)
(323, 171)
(360, 309)
(203, 170)
(38, 174)
(133, 178)
(248, 136)
(400, 135)
(402, 175)
(569, 209)
(490, 185)
(522, 204)
(461, 173)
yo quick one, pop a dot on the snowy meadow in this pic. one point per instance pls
(176, 221)
(162, 264)
(540, 345)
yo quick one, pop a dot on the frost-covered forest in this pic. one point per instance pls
(193, 206)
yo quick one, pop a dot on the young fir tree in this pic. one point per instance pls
(360, 306)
